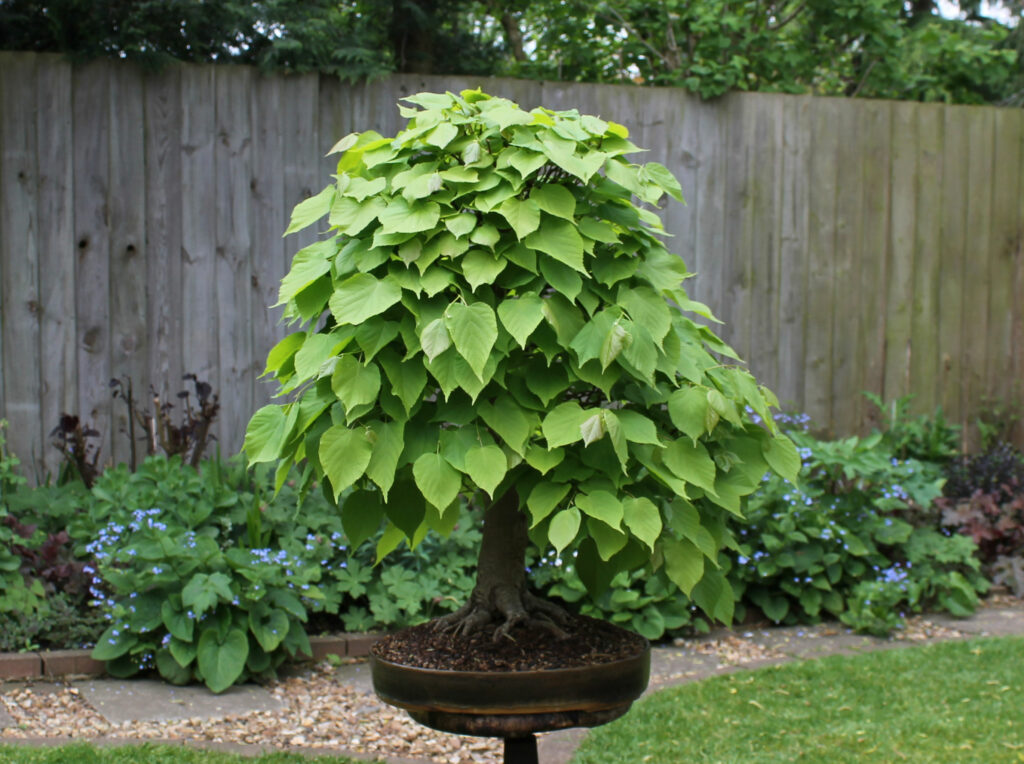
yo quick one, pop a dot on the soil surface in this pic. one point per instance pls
(530, 649)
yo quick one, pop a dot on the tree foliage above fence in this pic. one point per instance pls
(868, 48)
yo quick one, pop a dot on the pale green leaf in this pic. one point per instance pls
(473, 329)
(521, 316)
(642, 518)
(647, 308)
(544, 498)
(485, 235)
(434, 339)
(265, 434)
(603, 505)
(284, 351)
(362, 296)
(638, 428)
(355, 384)
(387, 440)
(311, 210)
(617, 340)
(688, 409)
(560, 240)
(351, 216)
(691, 463)
(344, 144)
(522, 215)
(664, 178)
(564, 279)
(407, 378)
(592, 428)
(562, 424)
(437, 480)
(487, 466)
(309, 264)
(782, 456)
(684, 563)
(543, 460)
(555, 200)
(442, 135)
(608, 540)
(512, 423)
(563, 529)
(401, 216)
(481, 267)
(461, 224)
(344, 455)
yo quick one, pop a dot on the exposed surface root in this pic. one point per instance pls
(508, 608)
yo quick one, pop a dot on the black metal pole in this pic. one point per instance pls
(521, 750)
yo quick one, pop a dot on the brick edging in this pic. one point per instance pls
(48, 664)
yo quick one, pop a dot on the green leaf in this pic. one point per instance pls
(688, 409)
(603, 505)
(485, 235)
(265, 434)
(782, 456)
(401, 216)
(407, 378)
(221, 662)
(665, 179)
(461, 224)
(715, 597)
(351, 216)
(563, 529)
(284, 351)
(563, 278)
(521, 315)
(355, 384)
(311, 210)
(177, 622)
(562, 424)
(434, 339)
(361, 297)
(593, 428)
(473, 329)
(487, 466)
(442, 135)
(361, 515)
(523, 216)
(387, 441)
(544, 498)
(309, 264)
(512, 423)
(344, 455)
(684, 563)
(691, 463)
(615, 341)
(643, 519)
(374, 335)
(615, 435)
(183, 652)
(637, 428)
(437, 480)
(647, 308)
(481, 267)
(608, 540)
(269, 626)
(560, 240)
(108, 647)
(543, 460)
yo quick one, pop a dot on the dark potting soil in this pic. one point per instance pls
(530, 649)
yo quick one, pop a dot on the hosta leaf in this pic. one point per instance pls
(486, 465)
(563, 529)
(437, 480)
(603, 505)
(521, 315)
(643, 519)
(361, 297)
(473, 329)
(344, 455)
(561, 240)
(522, 215)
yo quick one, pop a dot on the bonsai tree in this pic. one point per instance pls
(492, 313)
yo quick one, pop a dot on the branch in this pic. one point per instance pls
(796, 12)
(629, 28)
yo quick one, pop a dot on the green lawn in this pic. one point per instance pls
(955, 702)
(147, 753)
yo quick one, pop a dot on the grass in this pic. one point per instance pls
(955, 702)
(148, 753)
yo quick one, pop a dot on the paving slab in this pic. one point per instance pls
(987, 622)
(150, 700)
(5, 719)
(355, 675)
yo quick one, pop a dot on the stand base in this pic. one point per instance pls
(521, 750)
(514, 726)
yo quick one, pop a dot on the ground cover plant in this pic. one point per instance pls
(952, 702)
(491, 314)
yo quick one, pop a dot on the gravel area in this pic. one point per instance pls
(320, 714)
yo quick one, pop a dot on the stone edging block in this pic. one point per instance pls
(20, 665)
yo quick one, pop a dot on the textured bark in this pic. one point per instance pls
(500, 593)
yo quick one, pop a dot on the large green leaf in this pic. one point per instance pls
(782, 456)
(487, 466)
(642, 518)
(522, 215)
(688, 408)
(561, 240)
(690, 462)
(361, 515)
(473, 329)
(563, 528)
(344, 455)
(437, 480)
(309, 264)
(221, 661)
(269, 625)
(311, 210)
(562, 424)
(637, 428)
(684, 563)
(543, 460)
(387, 441)
(563, 278)
(602, 505)
(402, 216)
(354, 383)
(481, 267)
(509, 421)
(647, 308)
(434, 339)
(544, 498)
(407, 378)
(521, 315)
(361, 297)
(608, 540)
(265, 434)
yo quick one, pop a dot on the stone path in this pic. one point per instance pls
(121, 704)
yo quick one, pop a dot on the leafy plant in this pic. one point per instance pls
(492, 314)
(62, 623)
(997, 470)
(17, 595)
(925, 437)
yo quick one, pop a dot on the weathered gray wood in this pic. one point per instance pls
(233, 270)
(164, 199)
(821, 284)
(91, 151)
(200, 338)
(19, 255)
(903, 225)
(126, 204)
(58, 354)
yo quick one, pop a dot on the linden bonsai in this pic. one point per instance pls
(493, 314)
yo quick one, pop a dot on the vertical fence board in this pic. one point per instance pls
(820, 265)
(846, 358)
(683, 159)
(91, 150)
(978, 256)
(710, 233)
(793, 226)
(268, 222)
(924, 355)
(903, 225)
(199, 330)
(875, 224)
(233, 270)
(164, 199)
(19, 254)
(1005, 252)
(733, 271)
(58, 354)
(302, 151)
(1017, 316)
(126, 203)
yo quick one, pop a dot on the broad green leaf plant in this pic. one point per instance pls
(492, 314)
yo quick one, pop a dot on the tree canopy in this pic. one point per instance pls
(868, 48)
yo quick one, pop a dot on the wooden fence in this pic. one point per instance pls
(849, 245)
